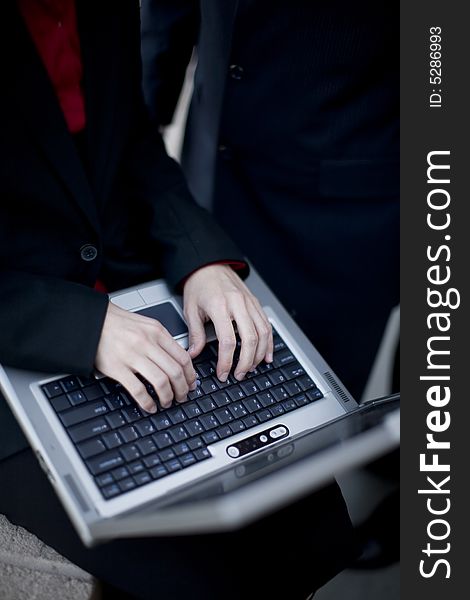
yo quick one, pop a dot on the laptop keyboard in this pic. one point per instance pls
(124, 447)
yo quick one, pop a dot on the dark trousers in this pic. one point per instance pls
(286, 555)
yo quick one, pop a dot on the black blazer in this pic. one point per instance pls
(124, 215)
(293, 139)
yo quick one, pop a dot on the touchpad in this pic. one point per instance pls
(168, 316)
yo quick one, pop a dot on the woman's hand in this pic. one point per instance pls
(216, 293)
(132, 344)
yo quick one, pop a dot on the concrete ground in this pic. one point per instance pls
(30, 570)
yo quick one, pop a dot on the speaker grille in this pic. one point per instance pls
(336, 387)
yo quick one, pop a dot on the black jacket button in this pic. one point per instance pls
(236, 72)
(88, 252)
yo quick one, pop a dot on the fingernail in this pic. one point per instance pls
(191, 348)
(193, 386)
(152, 410)
(223, 377)
(269, 358)
(240, 376)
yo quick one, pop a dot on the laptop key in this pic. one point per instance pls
(162, 440)
(279, 393)
(223, 416)
(115, 401)
(110, 491)
(136, 467)
(263, 382)
(126, 485)
(195, 427)
(131, 414)
(88, 430)
(197, 393)
(264, 415)
(210, 437)
(283, 358)
(83, 413)
(207, 404)
(289, 405)
(292, 388)
(166, 454)
(105, 462)
(314, 394)
(181, 448)
(252, 404)
(146, 446)
(301, 400)
(224, 432)
(60, 403)
(77, 397)
(129, 434)
(93, 392)
(236, 393)
(115, 420)
(130, 452)
(173, 465)
(52, 389)
(69, 384)
(112, 440)
(266, 399)
(250, 421)
(209, 386)
(158, 472)
(238, 410)
(105, 479)
(306, 383)
(220, 399)
(252, 374)
(202, 454)
(249, 387)
(205, 369)
(188, 459)
(85, 381)
(195, 443)
(278, 343)
(191, 410)
(142, 478)
(209, 422)
(277, 409)
(120, 473)
(161, 421)
(277, 377)
(151, 461)
(178, 434)
(145, 427)
(176, 415)
(91, 448)
(293, 371)
(237, 426)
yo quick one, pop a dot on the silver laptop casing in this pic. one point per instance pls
(149, 510)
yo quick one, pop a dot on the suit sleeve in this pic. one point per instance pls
(184, 235)
(169, 34)
(49, 324)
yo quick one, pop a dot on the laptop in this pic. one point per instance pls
(232, 453)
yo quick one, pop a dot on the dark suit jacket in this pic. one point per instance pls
(293, 138)
(130, 203)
